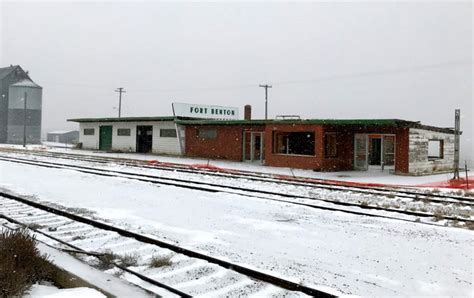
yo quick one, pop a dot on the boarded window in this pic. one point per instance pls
(167, 133)
(297, 143)
(89, 131)
(205, 133)
(330, 145)
(123, 132)
(435, 149)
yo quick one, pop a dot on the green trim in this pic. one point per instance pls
(223, 122)
(390, 122)
(190, 121)
(123, 119)
(194, 121)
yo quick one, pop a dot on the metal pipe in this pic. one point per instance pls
(24, 120)
(467, 177)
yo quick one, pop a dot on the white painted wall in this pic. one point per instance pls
(419, 163)
(165, 145)
(89, 142)
(128, 143)
(124, 143)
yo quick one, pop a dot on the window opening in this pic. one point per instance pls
(435, 149)
(168, 133)
(294, 143)
(206, 134)
(123, 132)
(89, 131)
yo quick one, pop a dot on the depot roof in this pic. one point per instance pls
(124, 119)
(384, 122)
(352, 122)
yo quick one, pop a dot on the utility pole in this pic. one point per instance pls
(457, 131)
(120, 91)
(266, 98)
(24, 120)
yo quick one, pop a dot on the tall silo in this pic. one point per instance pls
(24, 106)
(8, 75)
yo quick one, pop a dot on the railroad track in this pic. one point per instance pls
(259, 177)
(187, 272)
(295, 199)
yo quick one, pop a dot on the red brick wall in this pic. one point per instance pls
(227, 145)
(345, 147)
(345, 152)
(294, 161)
(401, 151)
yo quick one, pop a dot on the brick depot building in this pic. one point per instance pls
(325, 145)
(405, 147)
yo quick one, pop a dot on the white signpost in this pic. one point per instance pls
(205, 111)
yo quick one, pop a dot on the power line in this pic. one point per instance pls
(378, 72)
(415, 68)
(196, 88)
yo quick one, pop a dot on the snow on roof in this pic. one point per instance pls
(26, 83)
(59, 132)
(124, 119)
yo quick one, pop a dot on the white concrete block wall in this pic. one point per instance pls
(128, 143)
(92, 141)
(165, 145)
(124, 143)
(418, 163)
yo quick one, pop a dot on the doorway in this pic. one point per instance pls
(253, 146)
(373, 150)
(360, 152)
(105, 138)
(144, 138)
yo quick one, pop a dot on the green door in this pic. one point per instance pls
(105, 138)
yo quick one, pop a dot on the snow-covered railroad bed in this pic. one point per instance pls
(171, 267)
(418, 194)
(447, 211)
(368, 256)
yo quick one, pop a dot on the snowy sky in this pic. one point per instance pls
(325, 60)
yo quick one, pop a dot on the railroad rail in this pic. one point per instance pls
(63, 227)
(295, 199)
(261, 177)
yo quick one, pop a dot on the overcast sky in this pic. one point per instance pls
(403, 60)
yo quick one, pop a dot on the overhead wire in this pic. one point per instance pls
(415, 68)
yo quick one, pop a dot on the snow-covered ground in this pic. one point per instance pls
(57, 145)
(89, 276)
(390, 201)
(373, 175)
(353, 254)
(38, 290)
(109, 284)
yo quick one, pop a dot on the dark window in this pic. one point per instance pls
(89, 131)
(123, 132)
(330, 145)
(297, 143)
(435, 149)
(167, 133)
(205, 133)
